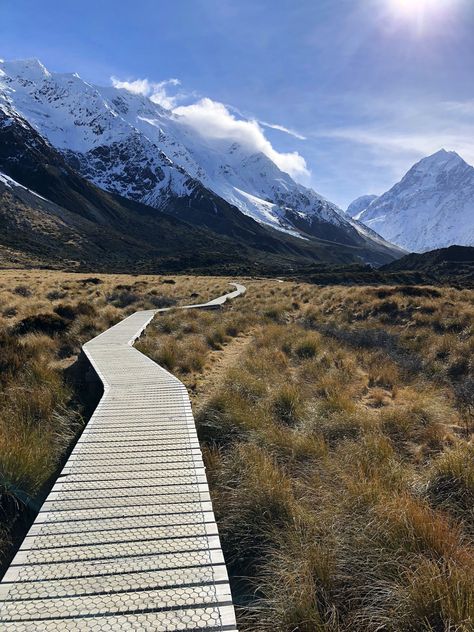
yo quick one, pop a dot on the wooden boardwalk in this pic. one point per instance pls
(127, 539)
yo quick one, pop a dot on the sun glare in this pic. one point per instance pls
(411, 6)
(424, 15)
(417, 8)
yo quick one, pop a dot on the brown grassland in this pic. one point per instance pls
(337, 430)
(336, 424)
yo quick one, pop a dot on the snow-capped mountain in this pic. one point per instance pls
(127, 144)
(360, 204)
(431, 207)
(51, 215)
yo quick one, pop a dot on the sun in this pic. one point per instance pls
(421, 13)
(418, 7)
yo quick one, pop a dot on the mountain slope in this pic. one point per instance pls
(360, 204)
(127, 144)
(51, 215)
(455, 264)
(431, 207)
(50, 211)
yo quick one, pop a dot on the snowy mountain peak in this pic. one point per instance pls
(431, 207)
(442, 160)
(30, 70)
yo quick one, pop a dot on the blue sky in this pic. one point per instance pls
(369, 86)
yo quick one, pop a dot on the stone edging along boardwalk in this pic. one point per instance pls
(126, 539)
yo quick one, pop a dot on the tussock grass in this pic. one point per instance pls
(288, 405)
(336, 445)
(451, 482)
(338, 457)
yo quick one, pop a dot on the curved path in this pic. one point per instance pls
(127, 539)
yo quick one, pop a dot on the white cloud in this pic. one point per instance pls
(214, 120)
(156, 91)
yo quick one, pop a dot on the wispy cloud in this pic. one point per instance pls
(282, 128)
(397, 134)
(460, 107)
(275, 126)
(158, 92)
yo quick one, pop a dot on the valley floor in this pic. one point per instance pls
(336, 424)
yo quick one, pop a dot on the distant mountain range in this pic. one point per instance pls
(431, 207)
(113, 166)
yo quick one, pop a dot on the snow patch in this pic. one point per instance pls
(12, 184)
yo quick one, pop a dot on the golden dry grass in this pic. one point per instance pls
(337, 453)
(337, 440)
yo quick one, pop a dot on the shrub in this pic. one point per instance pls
(55, 295)
(440, 595)
(123, 298)
(387, 307)
(241, 381)
(10, 312)
(413, 290)
(160, 301)
(216, 338)
(417, 418)
(192, 355)
(232, 331)
(91, 281)
(458, 368)
(167, 355)
(13, 356)
(226, 417)
(22, 290)
(464, 393)
(254, 499)
(338, 426)
(451, 480)
(29, 451)
(85, 309)
(50, 324)
(298, 581)
(66, 311)
(383, 373)
(276, 314)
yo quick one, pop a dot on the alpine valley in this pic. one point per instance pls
(104, 176)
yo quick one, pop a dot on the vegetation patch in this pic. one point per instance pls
(338, 450)
(335, 424)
